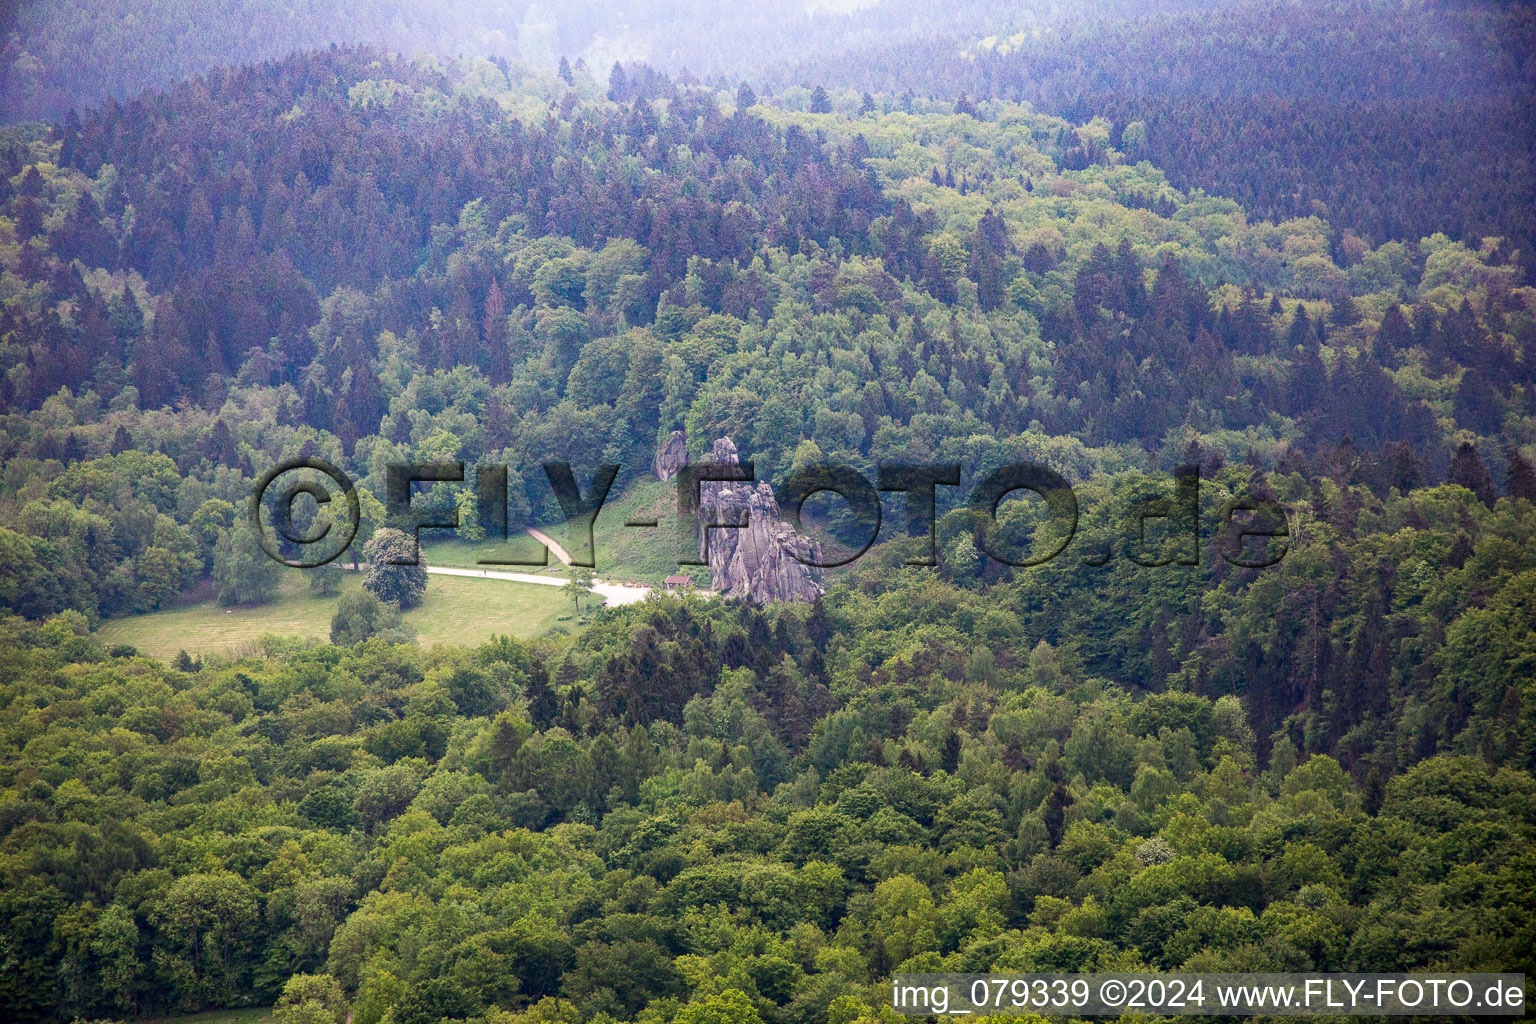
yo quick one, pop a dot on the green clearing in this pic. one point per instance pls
(624, 553)
(456, 610)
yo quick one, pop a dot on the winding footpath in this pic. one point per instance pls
(613, 594)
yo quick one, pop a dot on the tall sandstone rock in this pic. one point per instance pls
(758, 560)
(671, 456)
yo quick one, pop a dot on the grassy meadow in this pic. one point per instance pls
(643, 554)
(456, 610)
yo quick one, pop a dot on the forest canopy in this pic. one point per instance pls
(691, 810)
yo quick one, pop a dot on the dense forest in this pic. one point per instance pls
(1392, 120)
(370, 259)
(795, 804)
(699, 811)
(59, 55)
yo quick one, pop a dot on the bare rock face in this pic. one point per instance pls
(758, 560)
(671, 456)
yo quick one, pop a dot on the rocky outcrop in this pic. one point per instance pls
(671, 456)
(758, 560)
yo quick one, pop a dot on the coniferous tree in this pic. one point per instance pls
(949, 758)
(1468, 471)
(1300, 333)
(618, 84)
(543, 703)
(1521, 479)
(220, 447)
(1394, 334)
(1404, 469)
(1055, 814)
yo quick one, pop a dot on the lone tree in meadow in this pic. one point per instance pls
(384, 575)
(580, 586)
(361, 616)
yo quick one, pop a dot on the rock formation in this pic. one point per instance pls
(671, 456)
(757, 560)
